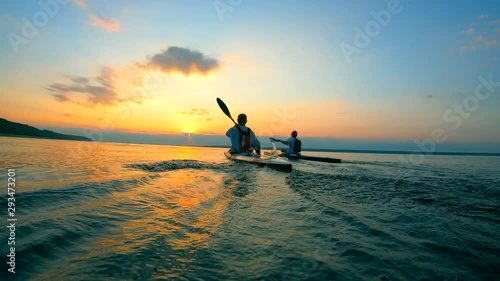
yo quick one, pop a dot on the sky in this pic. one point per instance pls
(345, 74)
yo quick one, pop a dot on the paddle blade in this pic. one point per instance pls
(224, 108)
(274, 152)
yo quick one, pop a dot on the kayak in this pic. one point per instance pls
(310, 158)
(272, 162)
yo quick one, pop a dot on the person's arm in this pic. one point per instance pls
(255, 143)
(282, 141)
(257, 146)
(234, 143)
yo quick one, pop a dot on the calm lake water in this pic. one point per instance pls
(110, 211)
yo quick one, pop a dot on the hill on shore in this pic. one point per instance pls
(9, 128)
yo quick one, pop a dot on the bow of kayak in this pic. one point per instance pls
(260, 160)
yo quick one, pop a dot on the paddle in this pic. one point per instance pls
(224, 109)
(273, 140)
(274, 152)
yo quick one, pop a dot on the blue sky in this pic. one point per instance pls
(282, 63)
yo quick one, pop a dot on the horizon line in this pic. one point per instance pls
(372, 151)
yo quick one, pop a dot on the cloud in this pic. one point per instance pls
(492, 44)
(80, 80)
(465, 49)
(97, 20)
(482, 36)
(68, 114)
(195, 111)
(95, 94)
(470, 31)
(61, 97)
(97, 90)
(82, 3)
(181, 60)
(110, 25)
(108, 87)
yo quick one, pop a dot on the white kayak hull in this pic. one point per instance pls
(272, 162)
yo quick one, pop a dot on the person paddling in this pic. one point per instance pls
(243, 140)
(294, 144)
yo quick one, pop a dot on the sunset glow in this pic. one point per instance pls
(156, 67)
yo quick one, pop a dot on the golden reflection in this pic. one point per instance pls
(185, 207)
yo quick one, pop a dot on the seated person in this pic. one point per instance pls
(294, 144)
(243, 140)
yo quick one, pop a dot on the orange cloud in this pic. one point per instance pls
(115, 85)
(82, 3)
(110, 25)
(194, 111)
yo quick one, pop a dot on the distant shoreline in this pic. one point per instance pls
(9, 128)
(37, 137)
(304, 150)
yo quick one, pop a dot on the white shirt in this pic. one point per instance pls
(234, 135)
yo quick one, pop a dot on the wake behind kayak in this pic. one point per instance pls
(271, 162)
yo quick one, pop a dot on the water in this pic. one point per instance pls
(109, 211)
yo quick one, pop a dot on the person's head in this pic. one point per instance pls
(294, 134)
(242, 119)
